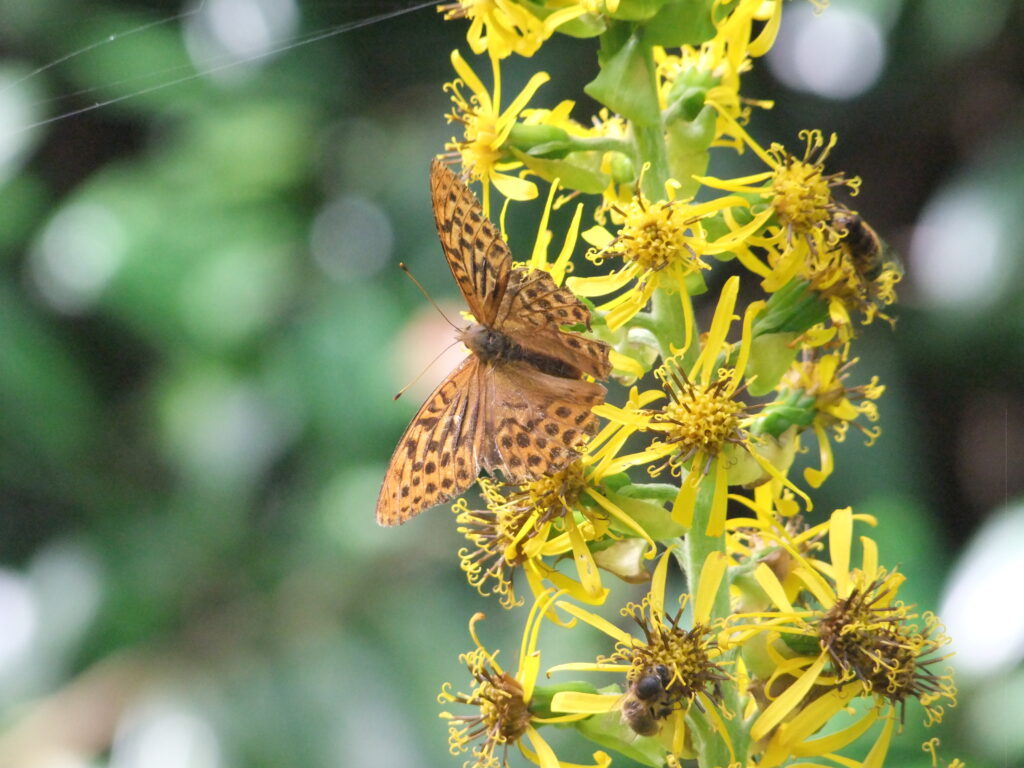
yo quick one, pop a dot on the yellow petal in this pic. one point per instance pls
(514, 187)
(577, 701)
(840, 537)
(686, 499)
(471, 80)
(600, 285)
(869, 563)
(770, 583)
(719, 329)
(625, 363)
(545, 754)
(597, 622)
(776, 712)
(657, 591)
(707, 587)
(528, 669)
(815, 477)
(599, 237)
(585, 565)
(836, 741)
(508, 118)
(568, 246)
(760, 45)
(719, 500)
(876, 757)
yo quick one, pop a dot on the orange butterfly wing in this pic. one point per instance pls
(437, 457)
(479, 258)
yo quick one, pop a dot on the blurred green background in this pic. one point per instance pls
(202, 326)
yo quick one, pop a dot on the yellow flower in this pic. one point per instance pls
(854, 638)
(799, 207)
(836, 405)
(486, 127)
(703, 424)
(504, 27)
(662, 245)
(549, 518)
(685, 663)
(502, 701)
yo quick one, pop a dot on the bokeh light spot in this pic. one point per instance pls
(958, 249)
(79, 253)
(988, 635)
(238, 30)
(837, 55)
(351, 239)
(165, 734)
(18, 617)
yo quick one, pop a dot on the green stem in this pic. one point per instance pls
(668, 324)
(650, 145)
(712, 750)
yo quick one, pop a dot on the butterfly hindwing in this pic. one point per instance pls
(535, 421)
(479, 258)
(438, 456)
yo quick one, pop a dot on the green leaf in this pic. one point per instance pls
(637, 10)
(685, 22)
(609, 731)
(649, 515)
(770, 356)
(625, 83)
(569, 174)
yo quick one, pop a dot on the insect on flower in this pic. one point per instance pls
(648, 701)
(518, 403)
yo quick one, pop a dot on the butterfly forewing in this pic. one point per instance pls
(438, 456)
(479, 258)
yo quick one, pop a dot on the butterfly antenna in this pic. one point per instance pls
(401, 265)
(420, 374)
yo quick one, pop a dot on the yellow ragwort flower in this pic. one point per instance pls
(667, 670)
(702, 427)
(836, 405)
(798, 208)
(548, 518)
(502, 703)
(662, 245)
(846, 635)
(486, 127)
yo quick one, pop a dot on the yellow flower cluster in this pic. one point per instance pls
(777, 631)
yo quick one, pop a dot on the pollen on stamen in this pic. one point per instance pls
(654, 235)
(699, 418)
(802, 190)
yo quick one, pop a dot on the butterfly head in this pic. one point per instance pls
(486, 343)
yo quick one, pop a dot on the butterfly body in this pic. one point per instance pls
(517, 404)
(494, 347)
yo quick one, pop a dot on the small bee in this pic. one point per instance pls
(648, 701)
(862, 243)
